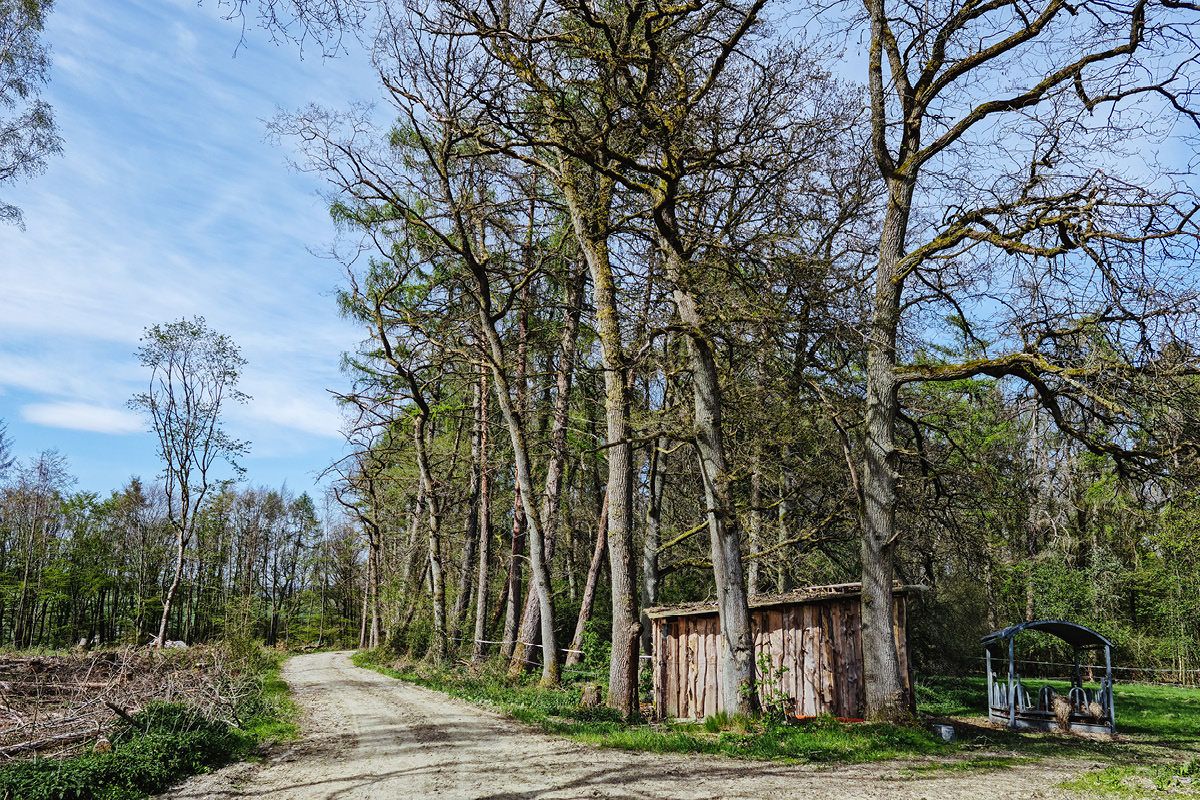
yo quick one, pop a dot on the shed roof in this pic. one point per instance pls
(809, 594)
(1072, 633)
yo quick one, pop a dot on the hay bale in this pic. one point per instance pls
(1062, 712)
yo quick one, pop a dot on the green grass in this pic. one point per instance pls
(1156, 726)
(558, 711)
(1130, 781)
(167, 743)
(270, 714)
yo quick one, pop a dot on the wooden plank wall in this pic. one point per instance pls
(815, 650)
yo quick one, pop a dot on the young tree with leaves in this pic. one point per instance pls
(194, 372)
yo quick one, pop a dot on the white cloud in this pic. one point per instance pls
(168, 202)
(83, 417)
(275, 403)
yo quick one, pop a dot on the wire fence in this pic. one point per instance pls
(573, 669)
(1182, 677)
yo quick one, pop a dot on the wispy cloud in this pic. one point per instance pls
(169, 203)
(83, 417)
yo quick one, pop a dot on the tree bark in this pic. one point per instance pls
(738, 693)
(884, 687)
(471, 534)
(537, 562)
(169, 598)
(479, 649)
(649, 588)
(783, 573)
(756, 521)
(437, 650)
(590, 225)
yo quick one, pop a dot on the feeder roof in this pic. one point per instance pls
(1072, 633)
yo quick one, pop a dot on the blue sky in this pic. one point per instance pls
(168, 202)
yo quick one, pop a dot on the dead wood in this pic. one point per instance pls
(56, 705)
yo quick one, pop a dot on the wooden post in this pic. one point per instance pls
(987, 655)
(660, 668)
(1012, 700)
(1112, 703)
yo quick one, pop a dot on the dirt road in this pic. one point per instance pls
(368, 736)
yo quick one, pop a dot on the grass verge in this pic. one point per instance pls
(1157, 726)
(1129, 781)
(162, 744)
(558, 711)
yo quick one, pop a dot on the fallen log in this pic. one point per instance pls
(123, 714)
(39, 744)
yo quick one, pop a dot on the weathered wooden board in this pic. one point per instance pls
(814, 650)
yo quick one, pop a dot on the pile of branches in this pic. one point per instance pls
(59, 705)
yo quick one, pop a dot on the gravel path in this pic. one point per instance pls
(369, 736)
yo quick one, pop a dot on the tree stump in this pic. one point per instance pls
(591, 696)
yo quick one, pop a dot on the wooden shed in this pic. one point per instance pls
(814, 633)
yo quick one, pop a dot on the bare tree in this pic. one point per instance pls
(194, 373)
(680, 107)
(1022, 214)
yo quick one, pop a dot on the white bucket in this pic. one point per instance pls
(946, 732)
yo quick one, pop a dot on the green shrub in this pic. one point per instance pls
(169, 741)
(597, 651)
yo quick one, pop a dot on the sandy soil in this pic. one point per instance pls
(369, 736)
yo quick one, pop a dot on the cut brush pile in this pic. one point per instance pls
(58, 705)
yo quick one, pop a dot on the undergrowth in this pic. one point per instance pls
(161, 745)
(558, 711)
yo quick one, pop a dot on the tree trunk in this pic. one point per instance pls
(376, 603)
(169, 598)
(1039, 510)
(591, 231)
(537, 561)
(574, 652)
(484, 525)
(366, 603)
(531, 618)
(738, 694)
(783, 573)
(884, 687)
(756, 521)
(649, 589)
(437, 579)
(410, 560)
(471, 534)
(512, 585)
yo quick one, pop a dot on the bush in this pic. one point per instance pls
(169, 741)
